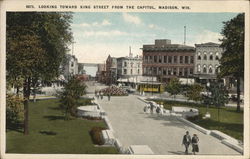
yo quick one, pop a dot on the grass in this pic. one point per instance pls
(51, 134)
(230, 122)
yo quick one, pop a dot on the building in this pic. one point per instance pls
(100, 73)
(166, 60)
(111, 70)
(207, 57)
(70, 66)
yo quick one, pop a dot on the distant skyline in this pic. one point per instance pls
(99, 34)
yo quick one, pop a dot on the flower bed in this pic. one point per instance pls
(114, 91)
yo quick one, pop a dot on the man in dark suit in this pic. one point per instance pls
(186, 141)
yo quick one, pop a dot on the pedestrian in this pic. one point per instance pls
(195, 146)
(101, 95)
(186, 141)
(109, 96)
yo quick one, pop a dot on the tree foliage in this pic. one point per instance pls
(36, 45)
(174, 86)
(70, 95)
(194, 92)
(232, 61)
(14, 109)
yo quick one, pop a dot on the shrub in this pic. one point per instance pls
(96, 135)
(194, 118)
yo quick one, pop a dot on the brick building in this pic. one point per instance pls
(111, 70)
(166, 60)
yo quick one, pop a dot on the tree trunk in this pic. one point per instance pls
(238, 94)
(26, 95)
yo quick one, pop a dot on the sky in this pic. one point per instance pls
(99, 34)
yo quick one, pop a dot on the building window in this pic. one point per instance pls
(125, 64)
(138, 65)
(159, 71)
(199, 56)
(164, 71)
(169, 71)
(185, 72)
(174, 71)
(217, 56)
(138, 71)
(155, 59)
(154, 70)
(186, 59)
(216, 69)
(169, 59)
(132, 64)
(180, 71)
(191, 71)
(165, 59)
(175, 59)
(204, 69)
(150, 58)
(72, 64)
(211, 57)
(191, 59)
(199, 68)
(210, 70)
(181, 59)
(124, 71)
(205, 56)
(131, 71)
(159, 59)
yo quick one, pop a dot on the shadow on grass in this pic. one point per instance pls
(47, 132)
(177, 152)
(18, 127)
(54, 108)
(54, 117)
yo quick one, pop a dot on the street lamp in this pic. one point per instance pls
(207, 113)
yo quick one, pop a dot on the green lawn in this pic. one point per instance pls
(50, 133)
(230, 122)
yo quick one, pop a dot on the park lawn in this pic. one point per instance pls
(230, 122)
(51, 134)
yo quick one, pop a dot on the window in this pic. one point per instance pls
(180, 71)
(169, 59)
(211, 57)
(199, 56)
(125, 64)
(204, 69)
(124, 71)
(174, 71)
(155, 59)
(191, 59)
(217, 56)
(154, 70)
(159, 71)
(150, 58)
(169, 71)
(132, 64)
(210, 70)
(205, 56)
(72, 64)
(186, 59)
(131, 71)
(164, 71)
(138, 65)
(191, 71)
(185, 71)
(138, 71)
(165, 59)
(160, 59)
(216, 69)
(181, 59)
(175, 59)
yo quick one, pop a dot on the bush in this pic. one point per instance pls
(194, 118)
(14, 109)
(96, 135)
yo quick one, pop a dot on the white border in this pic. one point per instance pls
(196, 6)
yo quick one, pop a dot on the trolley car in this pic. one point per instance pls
(151, 87)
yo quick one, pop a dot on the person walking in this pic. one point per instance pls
(186, 141)
(101, 95)
(195, 146)
(109, 96)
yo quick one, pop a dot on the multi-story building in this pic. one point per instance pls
(166, 60)
(100, 73)
(111, 70)
(129, 67)
(207, 57)
(70, 66)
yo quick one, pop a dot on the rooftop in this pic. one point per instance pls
(209, 44)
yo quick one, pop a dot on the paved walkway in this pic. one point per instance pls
(162, 134)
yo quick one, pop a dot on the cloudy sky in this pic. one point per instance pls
(97, 35)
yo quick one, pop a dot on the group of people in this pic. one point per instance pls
(100, 94)
(187, 140)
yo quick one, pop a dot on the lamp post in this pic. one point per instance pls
(207, 113)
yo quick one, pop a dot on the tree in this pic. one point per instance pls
(232, 61)
(70, 95)
(194, 92)
(36, 45)
(218, 95)
(174, 86)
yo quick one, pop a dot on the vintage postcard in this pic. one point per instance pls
(127, 79)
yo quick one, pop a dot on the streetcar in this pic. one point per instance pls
(155, 87)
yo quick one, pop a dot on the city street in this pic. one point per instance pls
(162, 134)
